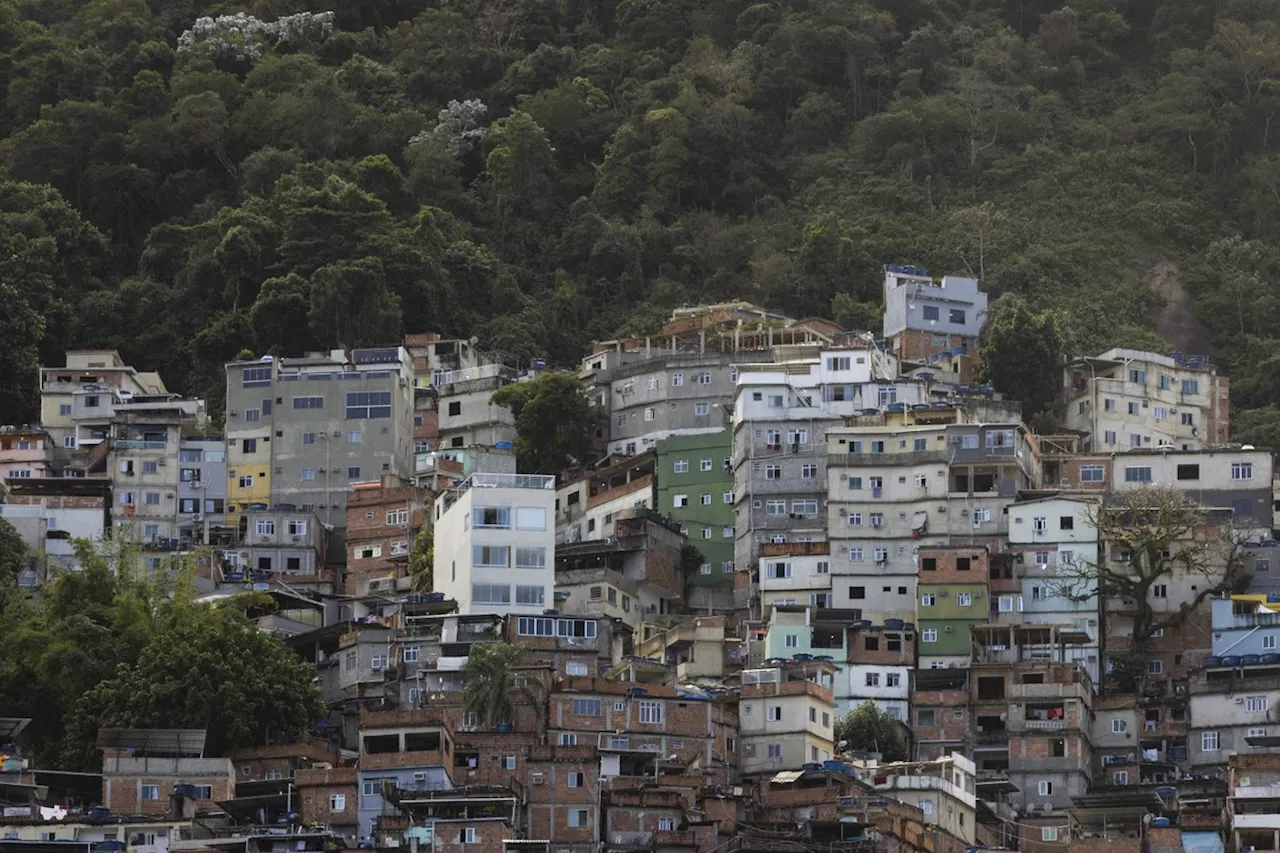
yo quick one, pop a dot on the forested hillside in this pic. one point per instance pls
(187, 179)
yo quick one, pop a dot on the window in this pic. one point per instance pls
(1042, 558)
(533, 595)
(774, 750)
(493, 556)
(855, 555)
(773, 713)
(1255, 704)
(467, 835)
(569, 738)
(252, 415)
(354, 437)
(1190, 386)
(398, 517)
(152, 498)
(1040, 524)
(1160, 590)
(308, 438)
(650, 713)
(69, 441)
(255, 376)
(981, 516)
(926, 807)
(528, 558)
(373, 404)
(308, 474)
(1160, 413)
(881, 555)
(488, 593)
(587, 708)
(1208, 741)
(679, 501)
(701, 410)
(1109, 437)
(1269, 641)
(808, 471)
(775, 507)
(249, 445)
(1137, 474)
(804, 507)
(1242, 470)
(353, 473)
(929, 635)
(929, 312)
(928, 599)
(151, 467)
(648, 414)
(308, 402)
(1048, 833)
(64, 409)
(964, 599)
(773, 472)
(1044, 788)
(264, 527)
(873, 679)
(1119, 727)
(956, 315)
(150, 792)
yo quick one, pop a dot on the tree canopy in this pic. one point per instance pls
(553, 421)
(868, 729)
(183, 180)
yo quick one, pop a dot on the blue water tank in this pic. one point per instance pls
(894, 624)
(1231, 660)
(1270, 659)
(1160, 822)
(1212, 661)
(1250, 660)
(538, 363)
(503, 445)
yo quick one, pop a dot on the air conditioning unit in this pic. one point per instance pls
(536, 779)
(943, 593)
(947, 629)
(233, 413)
(964, 512)
(337, 433)
(843, 512)
(977, 593)
(197, 517)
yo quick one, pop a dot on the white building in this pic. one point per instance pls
(495, 543)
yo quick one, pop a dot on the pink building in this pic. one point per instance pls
(24, 453)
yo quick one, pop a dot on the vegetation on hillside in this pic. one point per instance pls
(185, 178)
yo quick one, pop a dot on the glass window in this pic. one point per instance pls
(368, 404)
(1137, 474)
(531, 595)
(531, 518)
(490, 593)
(531, 558)
(308, 402)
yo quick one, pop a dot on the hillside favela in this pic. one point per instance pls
(639, 426)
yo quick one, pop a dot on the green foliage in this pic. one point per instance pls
(542, 176)
(554, 421)
(422, 559)
(13, 553)
(494, 683)
(1022, 353)
(104, 647)
(867, 728)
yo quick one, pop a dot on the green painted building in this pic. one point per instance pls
(945, 613)
(695, 488)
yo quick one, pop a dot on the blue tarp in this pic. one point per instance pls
(1202, 842)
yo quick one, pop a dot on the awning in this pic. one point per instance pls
(787, 776)
(919, 521)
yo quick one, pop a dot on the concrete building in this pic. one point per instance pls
(933, 322)
(77, 401)
(786, 717)
(795, 573)
(881, 660)
(677, 394)
(1232, 711)
(143, 768)
(492, 532)
(945, 789)
(900, 481)
(309, 427)
(1238, 479)
(51, 513)
(1055, 548)
(1253, 802)
(466, 413)
(700, 647)
(144, 469)
(695, 488)
(589, 506)
(633, 576)
(202, 489)
(287, 542)
(953, 599)
(1129, 399)
(25, 453)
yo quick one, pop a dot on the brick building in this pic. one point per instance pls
(383, 517)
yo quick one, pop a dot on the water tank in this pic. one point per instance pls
(503, 445)
(894, 624)
(1212, 661)
(1160, 822)
(538, 364)
(1231, 660)
(1250, 660)
(862, 623)
(803, 657)
(1270, 659)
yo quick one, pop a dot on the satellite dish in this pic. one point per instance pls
(474, 340)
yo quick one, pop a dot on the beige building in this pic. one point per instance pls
(698, 646)
(1132, 399)
(786, 716)
(944, 789)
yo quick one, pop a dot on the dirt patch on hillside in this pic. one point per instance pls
(1177, 322)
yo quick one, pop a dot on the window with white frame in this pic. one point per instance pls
(1208, 741)
(650, 712)
(1255, 704)
(929, 635)
(1242, 470)
(1044, 788)
(680, 466)
(1119, 727)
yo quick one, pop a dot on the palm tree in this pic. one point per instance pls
(493, 681)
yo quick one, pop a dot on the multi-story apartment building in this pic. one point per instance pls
(782, 412)
(202, 489)
(77, 400)
(933, 322)
(945, 789)
(794, 573)
(309, 427)
(25, 453)
(1236, 478)
(589, 506)
(953, 599)
(1130, 399)
(283, 540)
(465, 412)
(383, 517)
(897, 481)
(671, 395)
(144, 469)
(695, 488)
(881, 659)
(493, 532)
(786, 716)
(632, 576)
(1253, 802)
(1055, 548)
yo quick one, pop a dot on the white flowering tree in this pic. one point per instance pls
(459, 127)
(242, 39)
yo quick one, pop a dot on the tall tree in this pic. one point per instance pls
(554, 421)
(1022, 353)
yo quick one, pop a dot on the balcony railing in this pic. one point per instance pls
(863, 460)
(132, 444)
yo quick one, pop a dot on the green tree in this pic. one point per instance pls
(422, 560)
(867, 728)
(13, 553)
(495, 684)
(1022, 354)
(554, 421)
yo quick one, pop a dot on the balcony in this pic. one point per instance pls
(1040, 725)
(134, 444)
(866, 460)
